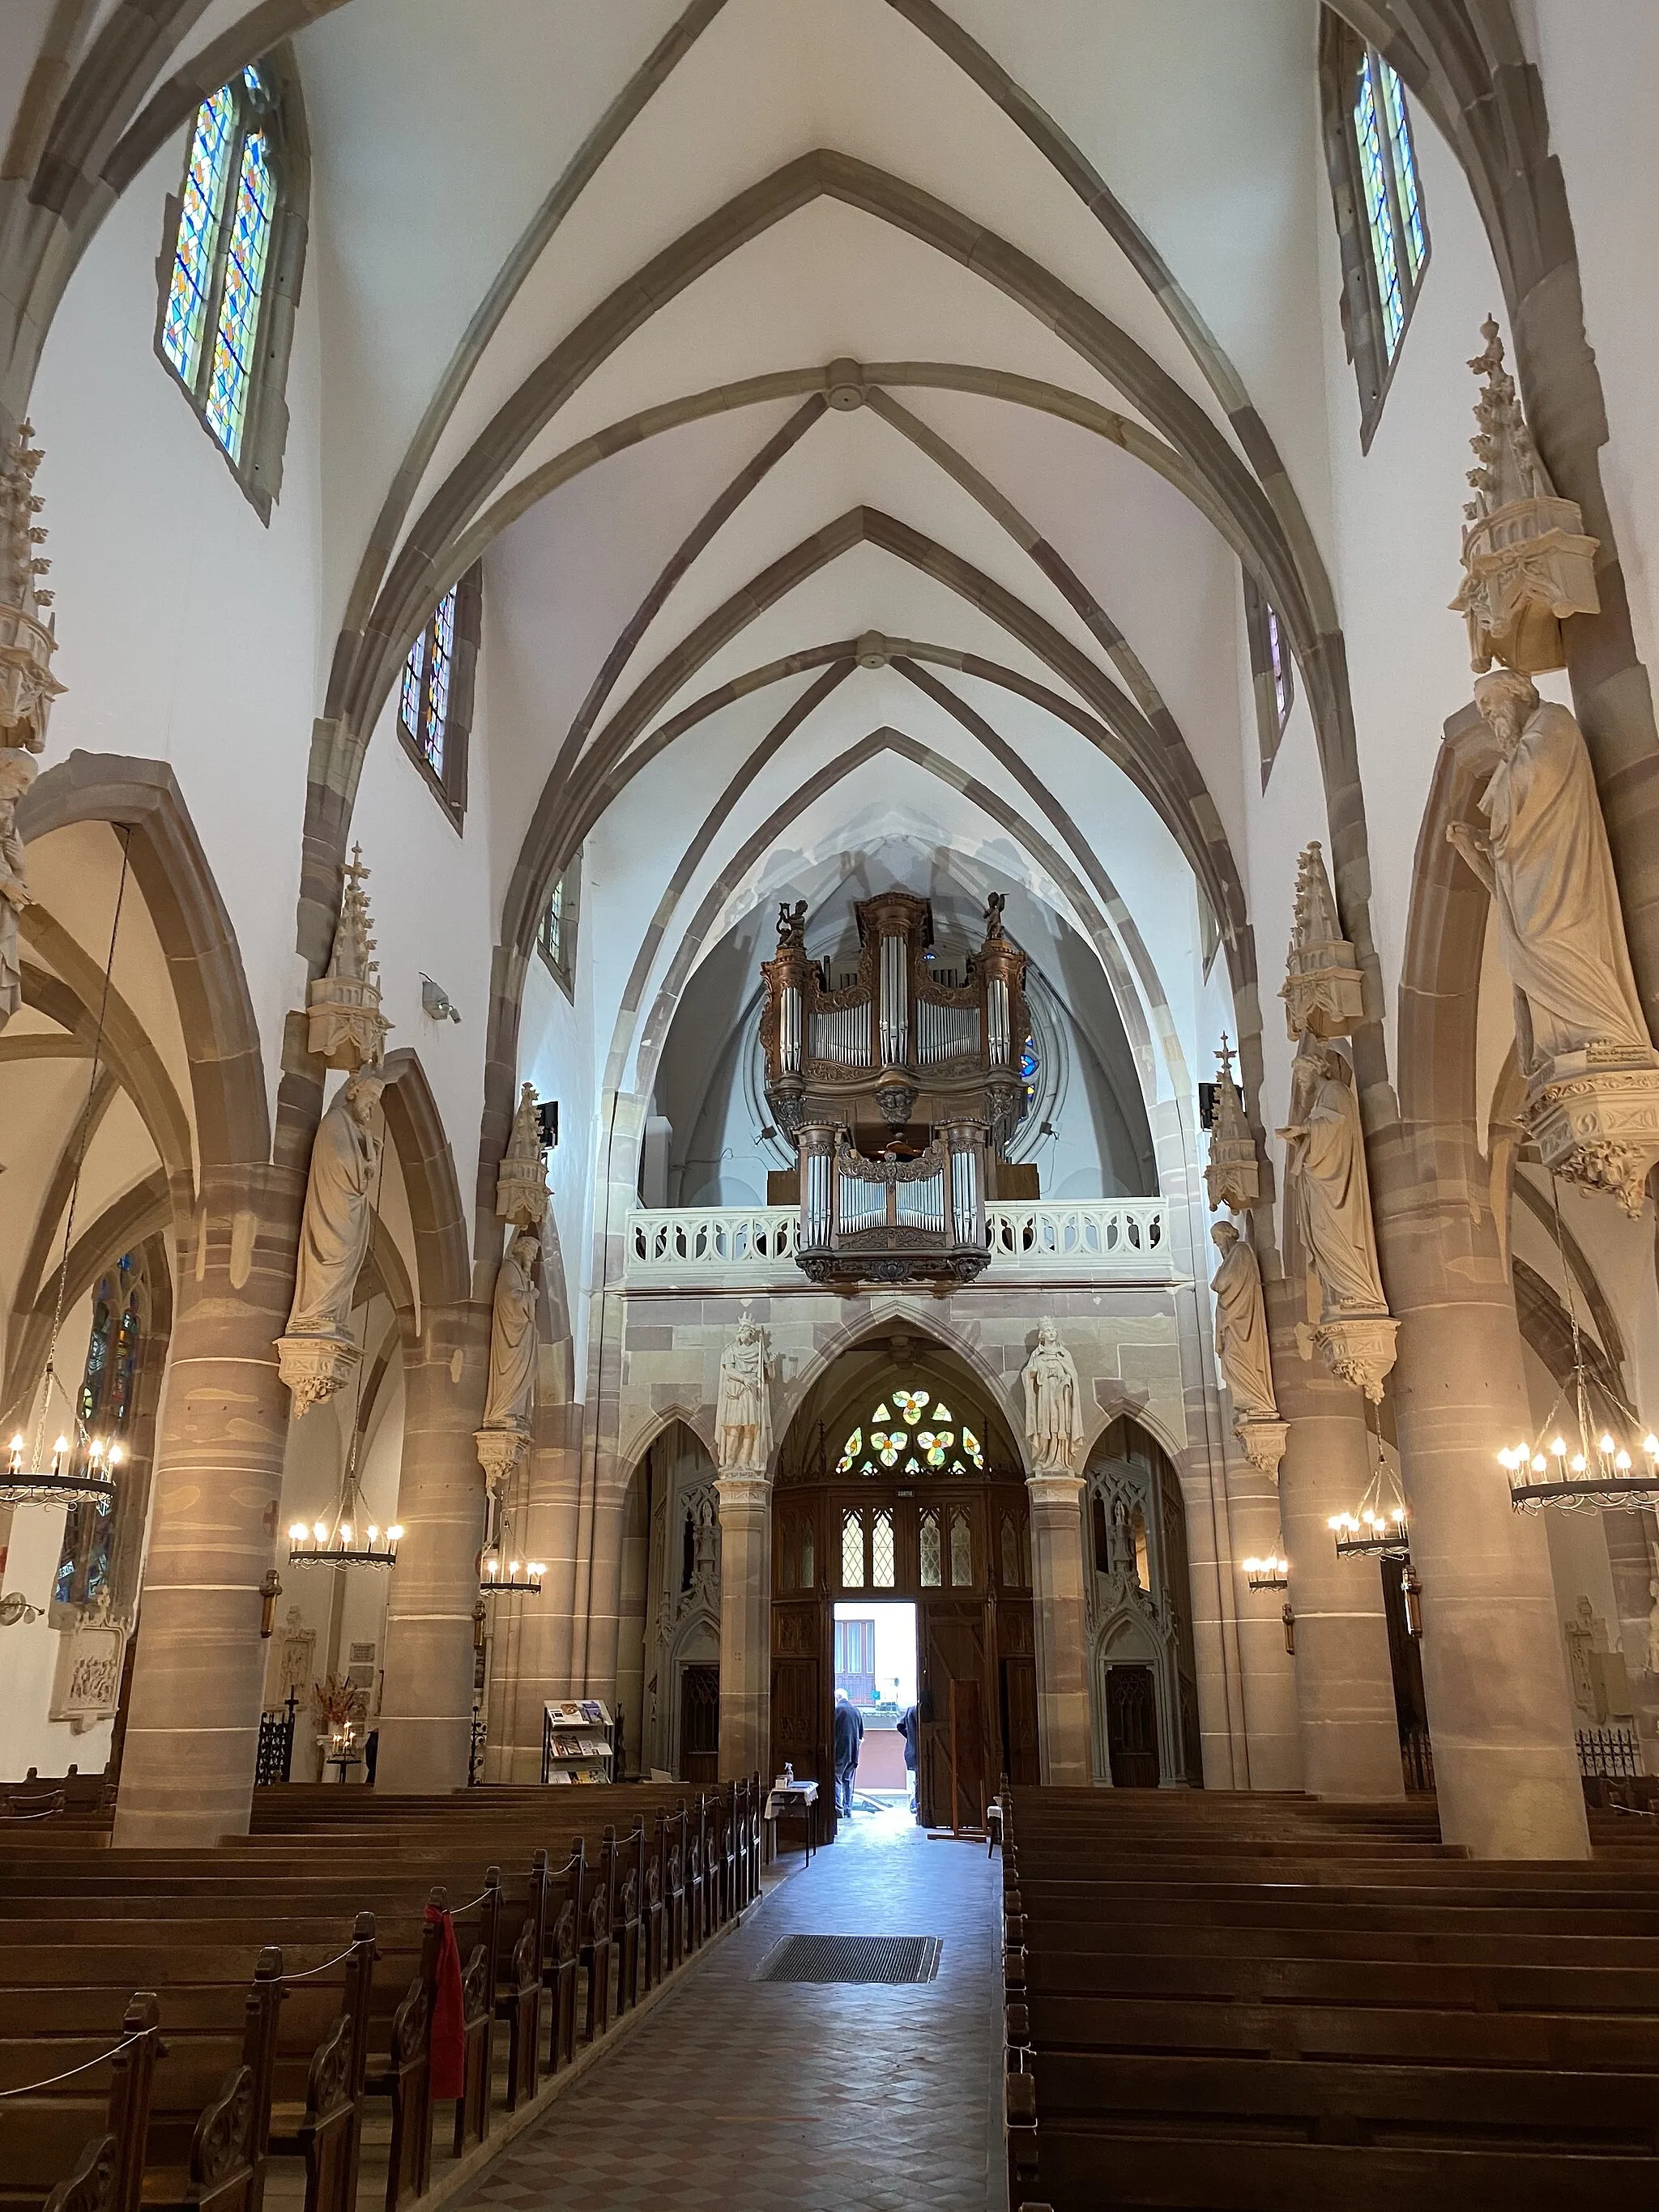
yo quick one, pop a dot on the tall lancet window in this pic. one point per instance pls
(1379, 206)
(435, 698)
(236, 234)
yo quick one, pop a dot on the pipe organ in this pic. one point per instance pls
(900, 1093)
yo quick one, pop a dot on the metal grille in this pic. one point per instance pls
(897, 1960)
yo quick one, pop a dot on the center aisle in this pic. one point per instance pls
(752, 2095)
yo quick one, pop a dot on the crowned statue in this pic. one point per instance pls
(743, 1417)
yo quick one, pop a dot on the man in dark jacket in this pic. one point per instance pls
(907, 1729)
(848, 1735)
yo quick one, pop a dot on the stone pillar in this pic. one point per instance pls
(1505, 1768)
(197, 1687)
(1272, 1728)
(1061, 1614)
(746, 1503)
(542, 1655)
(426, 1705)
(1344, 1681)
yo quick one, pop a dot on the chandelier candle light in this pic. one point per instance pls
(1604, 1470)
(1272, 1573)
(317, 1545)
(75, 1478)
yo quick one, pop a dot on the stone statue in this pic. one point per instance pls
(993, 928)
(16, 774)
(1328, 1186)
(792, 923)
(1053, 1404)
(513, 1337)
(1546, 862)
(742, 1418)
(1241, 1325)
(1653, 1629)
(338, 1219)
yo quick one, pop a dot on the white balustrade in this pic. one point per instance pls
(1104, 1240)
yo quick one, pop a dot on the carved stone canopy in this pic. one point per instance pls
(314, 1368)
(1527, 564)
(1358, 1348)
(27, 686)
(1232, 1177)
(344, 1026)
(521, 1193)
(1323, 988)
(500, 1451)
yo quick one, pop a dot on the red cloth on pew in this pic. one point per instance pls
(448, 2013)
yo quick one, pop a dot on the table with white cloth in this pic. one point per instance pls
(791, 1801)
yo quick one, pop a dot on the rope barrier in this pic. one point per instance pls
(310, 1972)
(52, 2081)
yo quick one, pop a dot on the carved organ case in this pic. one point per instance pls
(899, 1093)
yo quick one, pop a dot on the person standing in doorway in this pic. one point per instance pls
(907, 1729)
(849, 1735)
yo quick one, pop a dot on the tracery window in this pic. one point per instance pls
(962, 1548)
(852, 1550)
(931, 1554)
(910, 1431)
(883, 1558)
(1272, 673)
(1379, 206)
(235, 240)
(555, 939)
(103, 1409)
(435, 700)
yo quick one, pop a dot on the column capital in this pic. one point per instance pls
(1052, 1489)
(738, 1490)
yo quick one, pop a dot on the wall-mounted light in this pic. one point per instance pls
(435, 1002)
(269, 1590)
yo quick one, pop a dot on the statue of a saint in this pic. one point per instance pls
(742, 1418)
(1053, 1404)
(339, 1218)
(513, 1337)
(1328, 1186)
(16, 775)
(1653, 1629)
(1547, 863)
(1241, 1325)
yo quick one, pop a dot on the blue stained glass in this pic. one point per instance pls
(238, 308)
(411, 697)
(1405, 169)
(199, 218)
(437, 681)
(1030, 1064)
(1379, 213)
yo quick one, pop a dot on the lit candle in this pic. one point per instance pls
(59, 1452)
(319, 1529)
(1540, 1464)
(1559, 1446)
(296, 1535)
(17, 1456)
(95, 1452)
(394, 1532)
(115, 1457)
(512, 1571)
(1579, 1463)
(1621, 1461)
(373, 1534)
(345, 1533)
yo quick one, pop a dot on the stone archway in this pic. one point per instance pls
(934, 1516)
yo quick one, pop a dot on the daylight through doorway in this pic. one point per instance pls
(875, 1657)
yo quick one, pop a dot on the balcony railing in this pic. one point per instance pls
(1109, 1240)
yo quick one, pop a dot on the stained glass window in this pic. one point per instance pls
(214, 309)
(425, 701)
(882, 1560)
(852, 1551)
(244, 289)
(201, 211)
(931, 1553)
(1404, 171)
(103, 1409)
(556, 935)
(553, 925)
(1374, 165)
(901, 1444)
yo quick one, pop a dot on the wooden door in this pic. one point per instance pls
(954, 1755)
(801, 1665)
(1019, 1720)
(699, 1724)
(1132, 1728)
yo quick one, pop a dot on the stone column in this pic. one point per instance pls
(1505, 1768)
(1061, 1614)
(425, 1706)
(197, 1687)
(1344, 1681)
(542, 1657)
(746, 1503)
(1272, 1728)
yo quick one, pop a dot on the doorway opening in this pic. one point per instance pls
(875, 1657)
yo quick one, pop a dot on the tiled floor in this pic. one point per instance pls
(755, 2096)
